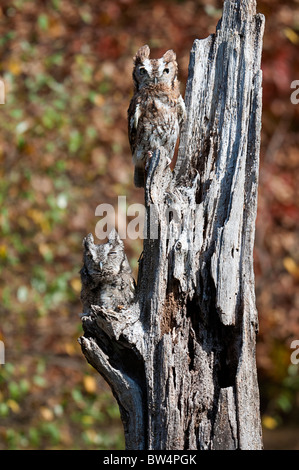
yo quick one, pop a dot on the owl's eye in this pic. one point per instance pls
(166, 70)
(113, 253)
(142, 71)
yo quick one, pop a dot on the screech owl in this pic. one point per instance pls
(156, 110)
(106, 275)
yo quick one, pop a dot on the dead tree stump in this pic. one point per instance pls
(181, 361)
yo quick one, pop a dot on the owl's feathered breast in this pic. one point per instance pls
(152, 116)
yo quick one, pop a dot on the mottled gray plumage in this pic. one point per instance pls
(157, 109)
(106, 275)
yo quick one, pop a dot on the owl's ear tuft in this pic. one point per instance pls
(88, 241)
(142, 54)
(169, 56)
(113, 237)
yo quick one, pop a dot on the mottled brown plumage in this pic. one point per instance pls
(157, 109)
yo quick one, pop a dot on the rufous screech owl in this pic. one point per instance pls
(156, 110)
(106, 275)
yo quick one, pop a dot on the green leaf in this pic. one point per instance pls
(22, 294)
(43, 21)
(4, 410)
(75, 141)
(34, 437)
(39, 381)
(14, 390)
(284, 403)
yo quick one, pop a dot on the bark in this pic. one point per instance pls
(181, 361)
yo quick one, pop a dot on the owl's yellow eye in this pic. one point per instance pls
(142, 71)
(166, 70)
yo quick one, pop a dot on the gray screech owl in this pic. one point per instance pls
(106, 275)
(156, 110)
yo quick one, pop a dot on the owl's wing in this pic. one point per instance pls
(132, 130)
(134, 113)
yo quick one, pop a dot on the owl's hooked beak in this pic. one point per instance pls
(101, 265)
(155, 80)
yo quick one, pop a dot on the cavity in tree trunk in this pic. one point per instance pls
(181, 359)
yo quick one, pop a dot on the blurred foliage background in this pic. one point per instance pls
(64, 150)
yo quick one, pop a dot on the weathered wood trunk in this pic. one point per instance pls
(181, 362)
